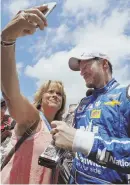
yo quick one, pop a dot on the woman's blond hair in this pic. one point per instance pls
(38, 97)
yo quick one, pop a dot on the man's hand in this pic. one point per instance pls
(25, 23)
(62, 134)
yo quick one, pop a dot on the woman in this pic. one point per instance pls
(23, 167)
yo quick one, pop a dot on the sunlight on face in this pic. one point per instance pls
(91, 71)
(53, 97)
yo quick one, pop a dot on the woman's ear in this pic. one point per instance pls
(39, 105)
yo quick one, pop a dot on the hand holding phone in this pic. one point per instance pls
(21, 24)
(50, 7)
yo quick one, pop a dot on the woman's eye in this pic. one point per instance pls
(51, 91)
(59, 94)
(54, 92)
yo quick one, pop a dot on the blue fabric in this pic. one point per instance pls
(46, 122)
(107, 114)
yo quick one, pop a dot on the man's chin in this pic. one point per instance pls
(90, 85)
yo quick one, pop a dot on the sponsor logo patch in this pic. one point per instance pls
(103, 157)
(96, 114)
(97, 104)
(85, 101)
(114, 96)
(112, 103)
(81, 108)
(90, 106)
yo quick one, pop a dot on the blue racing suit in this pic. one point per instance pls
(106, 113)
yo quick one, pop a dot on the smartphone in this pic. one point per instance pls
(50, 6)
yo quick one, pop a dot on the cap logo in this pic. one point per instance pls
(82, 55)
(100, 54)
(87, 55)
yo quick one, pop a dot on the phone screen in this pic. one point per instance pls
(50, 6)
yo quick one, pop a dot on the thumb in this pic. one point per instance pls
(43, 8)
(54, 124)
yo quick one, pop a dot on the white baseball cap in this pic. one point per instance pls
(74, 61)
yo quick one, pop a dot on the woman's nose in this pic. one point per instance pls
(54, 94)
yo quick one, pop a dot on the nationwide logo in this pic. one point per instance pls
(88, 161)
(104, 157)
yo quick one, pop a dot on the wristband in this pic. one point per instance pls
(6, 43)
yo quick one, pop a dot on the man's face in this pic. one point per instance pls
(92, 72)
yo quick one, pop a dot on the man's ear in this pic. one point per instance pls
(105, 64)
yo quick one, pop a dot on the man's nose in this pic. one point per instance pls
(82, 71)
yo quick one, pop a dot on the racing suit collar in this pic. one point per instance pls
(110, 85)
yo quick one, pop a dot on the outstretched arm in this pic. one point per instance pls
(22, 24)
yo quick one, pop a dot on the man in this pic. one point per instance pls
(102, 120)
